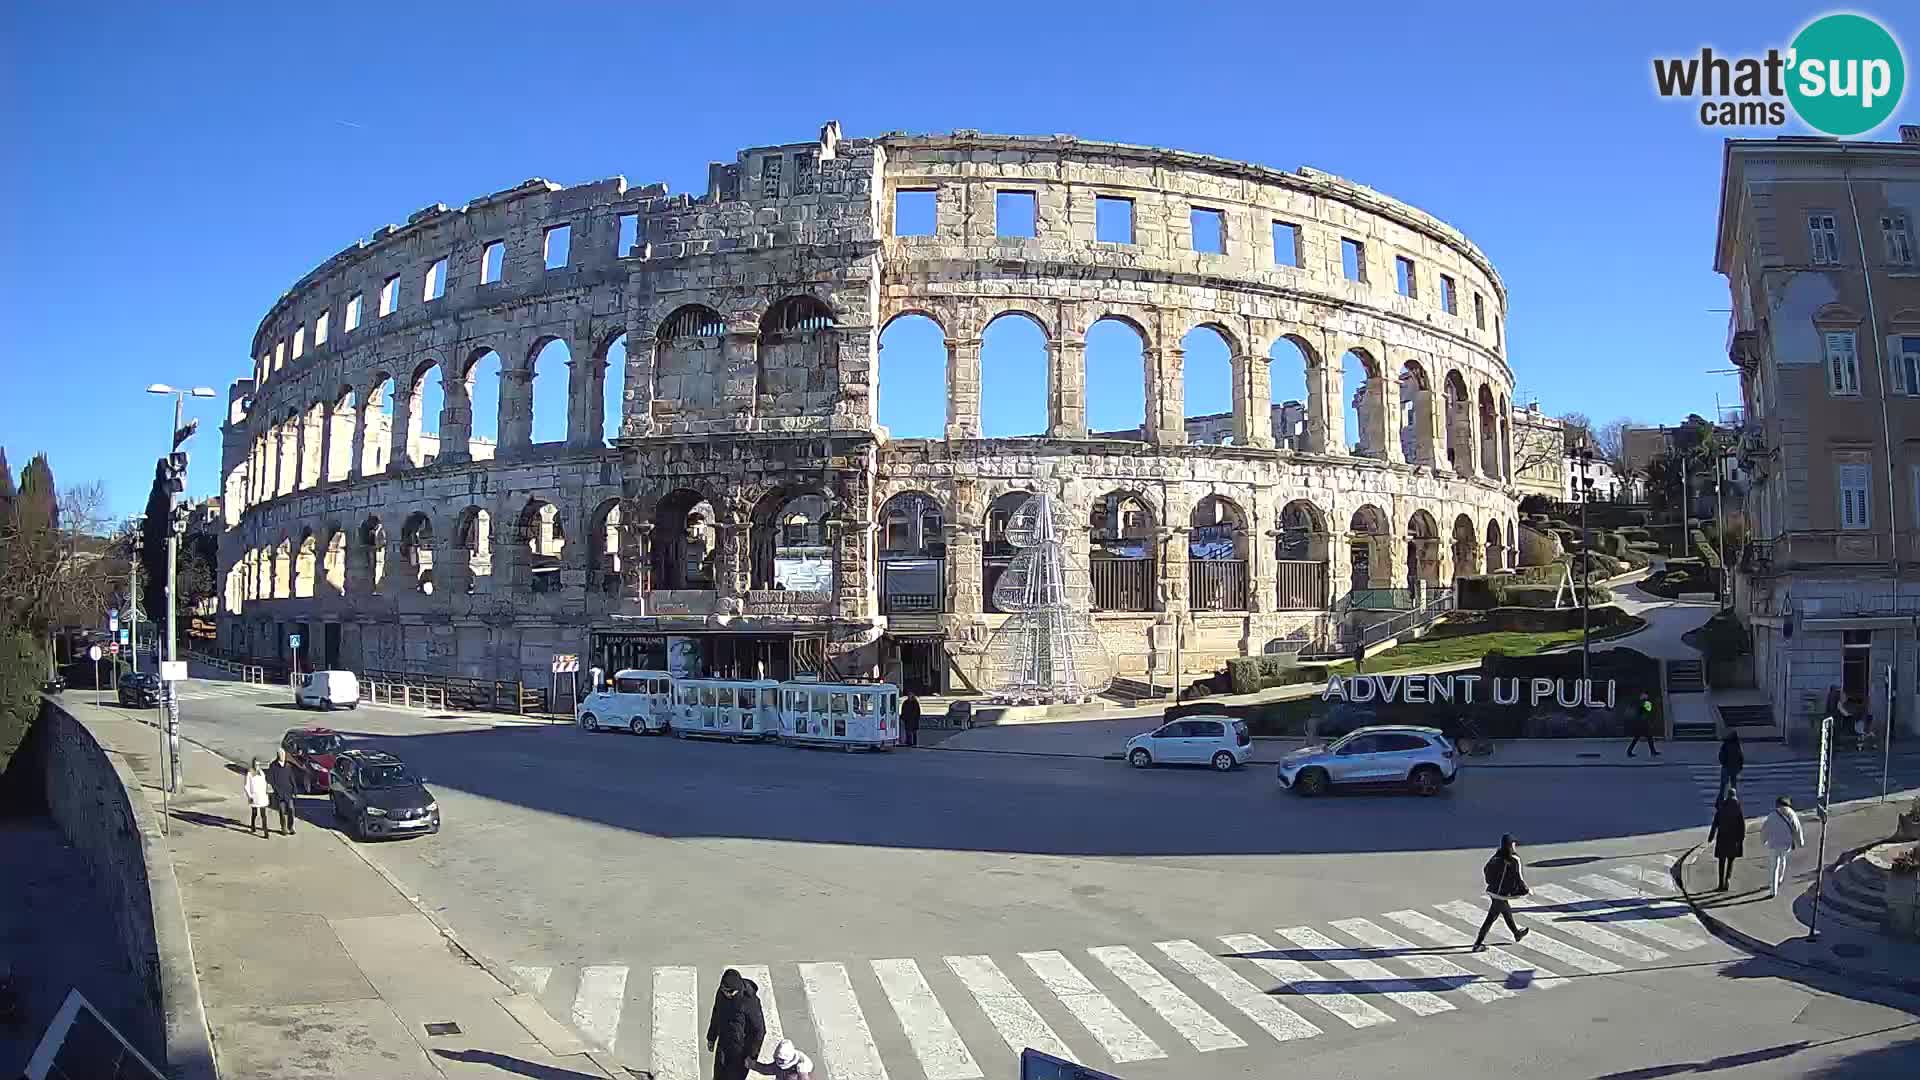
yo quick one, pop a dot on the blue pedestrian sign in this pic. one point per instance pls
(113, 619)
(293, 641)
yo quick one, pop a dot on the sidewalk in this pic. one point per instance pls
(1778, 928)
(311, 962)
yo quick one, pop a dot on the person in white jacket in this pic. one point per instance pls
(1781, 834)
(788, 1062)
(256, 788)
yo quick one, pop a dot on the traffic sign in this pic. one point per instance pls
(173, 670)
(126, 635)
(293, 641)
(113, 648)
(113, 619)
(93, 653)
(566, 662)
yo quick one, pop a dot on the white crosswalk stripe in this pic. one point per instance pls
(532, 977)
(1292, 974)
(1574, 922)
(1369, 975)
(1181, 1012)
(596, 1008)
(676, 1004)
(1536, 941)
(1654, 915)
(1374, 936)
(1657, 879)
(1521, 974)
(1274, 1018)
(770, 1012)
(1120, 1037)
(1015, 1018)
(942, 1055)
(845, 1040)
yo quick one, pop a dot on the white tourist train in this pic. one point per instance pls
(799, 711)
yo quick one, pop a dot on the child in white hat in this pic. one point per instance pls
(788, 1062)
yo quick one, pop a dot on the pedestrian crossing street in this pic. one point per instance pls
(966, 1017)
(1856, 775)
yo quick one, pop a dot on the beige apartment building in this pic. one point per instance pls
(1539, 453)
(1817, 240)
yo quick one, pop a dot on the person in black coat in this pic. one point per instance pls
(1504, 885)
(280, 787)
(910, 721)
(1732, 759)
(1728, 834)
(737, 1027)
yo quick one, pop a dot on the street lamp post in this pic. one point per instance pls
(1583, 488)
(177, 435)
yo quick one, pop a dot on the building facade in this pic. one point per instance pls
(1816, 240)
(724, 498)
(1539, 453)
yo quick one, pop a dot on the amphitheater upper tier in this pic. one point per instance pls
(745, 510)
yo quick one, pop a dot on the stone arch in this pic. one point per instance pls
(421, 438)
(1513, 544)
(1505, 412)
(912, 551)
(416, 546)
(333, 562)
(797, 360)
(540, 542)
(1114, 378)
(283, 569)
(914, 376)
(1496, 548)
(690, 366)
(607, 541)
(376, 424)
(1369, 559)
(1294, 393)
(1364, 379)
(1423, 550)
(1217, 549)
(544, 398)
(1418, 423)
(685, 541)
(483, 376)
(1124, 544)
(313, 425)
(337, 450)
(1208, 402)
(791, 546)
(473, 533)
(1302, 552)
(1015, 348)
(1466, 547)
(612, 357)
(1489, 428)
(373, 555)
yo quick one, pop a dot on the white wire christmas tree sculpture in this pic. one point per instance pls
(1047, 652)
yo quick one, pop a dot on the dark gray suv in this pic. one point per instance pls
(375, 794)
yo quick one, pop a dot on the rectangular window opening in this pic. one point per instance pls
(1015, 214)
(353, 312)
(280, 354)
(1353, 259)
(389, 296)
(321, 328)
(1856, 508)
(770, 169)
(1406, 280)
(1479, 312)
(1823, 240)
(493, 262)
(1286, 244)
(436, 283)
(629, 235)
(1112, 219)
(1893, 229)
(1209, 231)
(1843, 364)
(1498, 332)
(1906, 370)
(1449, 296)
(914, 212)
(299, 342)
(558, 243)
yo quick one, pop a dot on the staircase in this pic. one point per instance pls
(1686, 677)
(1856, 891)
(1133, 691)
(1753, 722)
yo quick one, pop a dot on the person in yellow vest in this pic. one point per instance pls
(1642, 725)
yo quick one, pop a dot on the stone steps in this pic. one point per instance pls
(1856, 890)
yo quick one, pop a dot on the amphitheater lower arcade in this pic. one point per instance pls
(712, 487)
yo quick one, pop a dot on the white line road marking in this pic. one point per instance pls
(1120, 1037)
(532, 978)
(1536, 941)
(1374, 936)
(1571, 922)
(596, 1008)
(1351, 1009)
(1367, 973)
(1636, 872)
(1649, 924)
(942, 1055)
(1499, 960)
(1180, 1012)
(845, 1039)
(1274, 1018)
(676, 1019)
(1012, 1015)
(763, 978)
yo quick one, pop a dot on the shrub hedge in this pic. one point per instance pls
(1251, 674)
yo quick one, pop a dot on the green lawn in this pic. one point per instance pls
(1434, 651)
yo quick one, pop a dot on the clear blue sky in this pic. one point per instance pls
(170, 174)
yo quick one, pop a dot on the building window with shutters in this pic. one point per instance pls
(1843, 364)
(1906, 365)
(1855, 504)
(1823, 240)
(1893, 229)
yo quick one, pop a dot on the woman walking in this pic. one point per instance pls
(1728, 834)
(1781, 834)
(1732, 759)
(256, 788)
(1504, 885)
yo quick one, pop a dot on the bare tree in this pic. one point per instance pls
(1578, 428)
(1610, 442)
(1537, 450)
(58, 571)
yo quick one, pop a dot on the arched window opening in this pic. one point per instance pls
(791, 550)
(1417, 421)
(1013, 378)
(376, 427)
(1365, 411)
(1459, 422)
(373, 548)
(287, 456)
(481, 380)
(1423, 551)
(1301, 557)
(1466, 547)
(605, 536)
(1496, 549)
(685, 538)
(550, 370)
(1289, 393)
(416, 546)
(997, 552)
(1116, 380)
(690, 368)
(1513, 545)
(313, 426)
(1489, 436)
(1217, 556)
(797, 315)
(613, 387)
(1207, 386)
(1367, 556)
(1125, 549)
(1506, 438)
(283, 570)
(544, 541)
(912, 379)
(339, 442)
(475, 537)
(913, 553)
(796, 363)
(333, 567)
(693, 321)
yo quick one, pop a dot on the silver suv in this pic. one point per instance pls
(1389, 756)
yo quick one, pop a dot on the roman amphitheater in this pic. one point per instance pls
(722, 493)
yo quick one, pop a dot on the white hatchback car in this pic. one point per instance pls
(1219, 741)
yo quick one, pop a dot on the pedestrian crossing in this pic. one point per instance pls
(204, 690)
(1856, 775)
(968, 1016)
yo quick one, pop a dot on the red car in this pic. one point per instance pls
(311, 750)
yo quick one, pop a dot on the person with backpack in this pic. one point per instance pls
(788, 1063)
(1782, 834)
(1504, 886)
(736, 1027)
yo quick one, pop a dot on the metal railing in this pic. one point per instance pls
(1122, 584)
(1380, 600)
(1300, 584)
(1217, 584)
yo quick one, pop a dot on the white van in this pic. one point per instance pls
(327, 690)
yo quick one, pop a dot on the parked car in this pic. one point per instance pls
(1219, 741)
(1421, 758)
(327, 690)
(139, 690)
(375, 794)
(311, 751)
(55, 685)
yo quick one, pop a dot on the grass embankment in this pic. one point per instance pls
(1458, 649)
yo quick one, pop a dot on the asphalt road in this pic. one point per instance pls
(913, 913)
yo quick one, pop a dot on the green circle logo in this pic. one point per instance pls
(1847, 74)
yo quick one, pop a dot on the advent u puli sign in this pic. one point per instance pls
(1463, 690)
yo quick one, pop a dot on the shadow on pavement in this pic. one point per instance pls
(516, 1066)
(195, 817)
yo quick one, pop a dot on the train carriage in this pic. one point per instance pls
(853, 715)
(726, 708)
